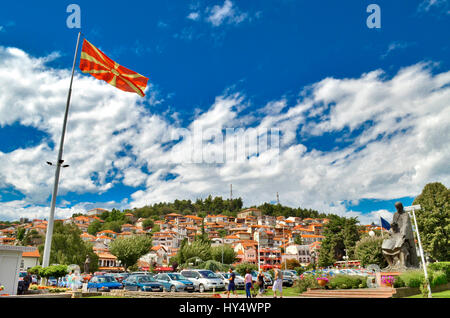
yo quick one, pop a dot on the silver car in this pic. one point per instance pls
(239, 281)
(203, 279)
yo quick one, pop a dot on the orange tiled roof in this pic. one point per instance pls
(34, 253)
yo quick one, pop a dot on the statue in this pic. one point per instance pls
(399, 249)
(87, 262)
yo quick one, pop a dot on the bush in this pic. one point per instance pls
(306, 282)
(438, 278)
(441, 266)
(413, 278)
(242, 268)
(399, 282)
(300, 270)
(348, 282)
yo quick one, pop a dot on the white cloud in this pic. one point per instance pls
(226, 13)
(112, 139)
(427, 5)
(193, 16)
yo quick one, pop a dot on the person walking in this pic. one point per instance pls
(248, 284)
(278, 284)
(261, 282)
(231, 284)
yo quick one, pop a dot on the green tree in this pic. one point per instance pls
(298, 240)
(242, 268)
(229, 255)
(433, 220)
(368, 251)
(197, 249)
(20, 233)
(148, 223)
(94, 227)
(341, 235)
(68, 247)
(128, 250)
(290, 264)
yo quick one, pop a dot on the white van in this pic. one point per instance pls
(203, 279)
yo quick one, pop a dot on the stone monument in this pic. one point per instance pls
(399, 249)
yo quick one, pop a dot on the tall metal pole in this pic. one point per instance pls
(421, 253)
(49, 234)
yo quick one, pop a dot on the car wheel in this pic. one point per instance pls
(173, 289)
(201, 288)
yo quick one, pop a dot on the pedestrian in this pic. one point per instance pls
(261, 282)
(27, 281)
(248, 283)
(231, 284)
(278, 284)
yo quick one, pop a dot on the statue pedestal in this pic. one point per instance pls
(380, 275)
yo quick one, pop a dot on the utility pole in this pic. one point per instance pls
(278, 198)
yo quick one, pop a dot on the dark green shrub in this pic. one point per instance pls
(306, 282)
(399, 282)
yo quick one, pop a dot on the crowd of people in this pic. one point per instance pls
(250, 286)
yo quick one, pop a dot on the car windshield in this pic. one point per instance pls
(106, 279)
(176, 277)
(208, 274)
(145, 279)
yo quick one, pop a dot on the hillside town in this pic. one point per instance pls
(276, 238)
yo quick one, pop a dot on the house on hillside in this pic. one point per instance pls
(96, 212)
(249, 212)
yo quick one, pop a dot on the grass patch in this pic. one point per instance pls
(444, 294)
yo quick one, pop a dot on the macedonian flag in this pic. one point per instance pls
(95, 62)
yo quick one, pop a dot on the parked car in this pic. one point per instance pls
(141, 273)
(142, 283)
(267, 278)
(175, 282)
(238, 280)
(104, 283)
(52, 281)
(289, 274)
(63, 282)
(203, 279)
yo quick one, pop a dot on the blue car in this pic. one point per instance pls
(175, 282)
(142, 283)
(104, 283)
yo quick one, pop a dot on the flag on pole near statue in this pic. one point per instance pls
(95, 62)
(385, 224)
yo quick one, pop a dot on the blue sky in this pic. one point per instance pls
(351, 102)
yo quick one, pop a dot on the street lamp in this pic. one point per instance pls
(412, 209)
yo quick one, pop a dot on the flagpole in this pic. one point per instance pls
(49, 234)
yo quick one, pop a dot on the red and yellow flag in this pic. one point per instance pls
(95, 62)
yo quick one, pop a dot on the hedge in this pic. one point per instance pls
(348, 282)
(441, 266)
